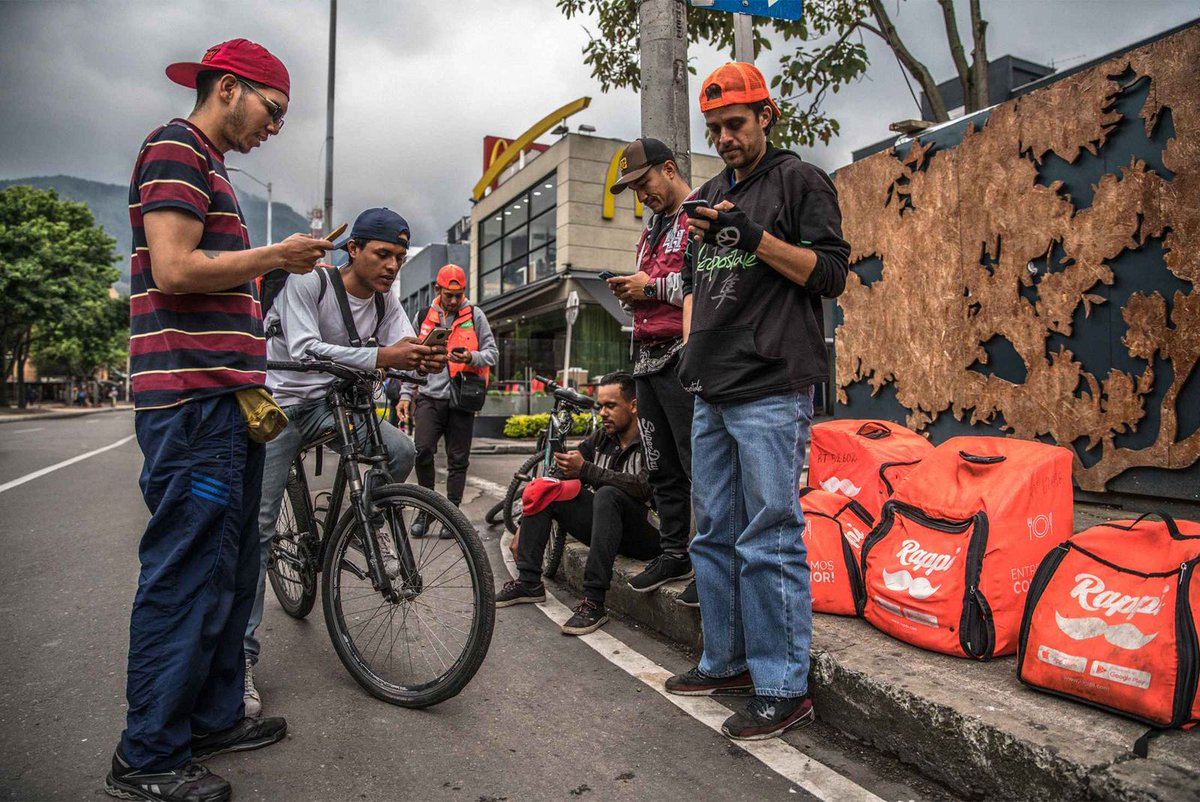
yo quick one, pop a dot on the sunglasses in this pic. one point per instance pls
(274, 109)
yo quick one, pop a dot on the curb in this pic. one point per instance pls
(5, 419)
(971, 726)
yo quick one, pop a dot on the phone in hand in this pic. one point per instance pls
(337, 232)
(690, 206)
(607, 274)
(436, 336)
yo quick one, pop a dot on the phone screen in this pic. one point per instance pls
(607, 274)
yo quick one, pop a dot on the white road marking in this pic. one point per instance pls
(490, 488)
(29, 477)
(23, 431)
(778, 755)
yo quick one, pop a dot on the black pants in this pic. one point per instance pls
(665, 417)
(609, 520)
(434, 420)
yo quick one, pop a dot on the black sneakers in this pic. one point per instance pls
(518, 592)
(661, 570)
(697, 683)
(420, 525)
(191, 782)
(247, 734)
(589, 617)
(768, 716)
(689, 597)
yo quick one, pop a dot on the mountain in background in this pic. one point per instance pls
(110, 206)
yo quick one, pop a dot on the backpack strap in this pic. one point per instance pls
(339, 290)
(380, 302)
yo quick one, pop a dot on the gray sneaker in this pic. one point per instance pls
(250, 695)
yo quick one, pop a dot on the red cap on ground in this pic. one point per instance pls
(452, 277)
(544, 491)
(733, 83)
(239, 56)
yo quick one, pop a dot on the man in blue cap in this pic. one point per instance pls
(338, 314)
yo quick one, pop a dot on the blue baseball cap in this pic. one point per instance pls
(379, 224)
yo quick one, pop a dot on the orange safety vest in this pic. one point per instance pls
(462, 335)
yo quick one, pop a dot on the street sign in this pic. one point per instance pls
(572, 307)
(780, 9)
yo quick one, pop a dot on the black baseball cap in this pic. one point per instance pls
(639, 156)
(379, 224)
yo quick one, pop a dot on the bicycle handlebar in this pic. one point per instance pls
(315, 364)
(567, 394)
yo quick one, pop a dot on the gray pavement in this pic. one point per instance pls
(546, 717)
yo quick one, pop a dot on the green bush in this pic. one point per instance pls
(530, 425)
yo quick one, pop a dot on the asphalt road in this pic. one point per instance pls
(546, 717)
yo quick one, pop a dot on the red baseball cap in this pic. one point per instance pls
(452, 277)
(239, 56)
(545, 490)
(733, 83)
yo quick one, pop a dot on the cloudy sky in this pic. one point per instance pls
(421, 82)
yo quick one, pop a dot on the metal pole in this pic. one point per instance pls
(662, 33)
(329, 115)
(743, 38)
(567, 356)
(270, 240)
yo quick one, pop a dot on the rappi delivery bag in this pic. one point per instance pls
(949, 564)
(834, 530)
(1111, 620)
(863, 459)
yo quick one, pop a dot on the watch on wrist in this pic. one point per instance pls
(651, 289)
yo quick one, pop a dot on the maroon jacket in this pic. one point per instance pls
(657, 320)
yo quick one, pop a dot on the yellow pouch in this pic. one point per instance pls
(264, 418)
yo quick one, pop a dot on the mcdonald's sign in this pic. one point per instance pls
(610, 200)
(496, 146)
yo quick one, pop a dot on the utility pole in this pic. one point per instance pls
(662, 34)
(743, 38)
(329, 114)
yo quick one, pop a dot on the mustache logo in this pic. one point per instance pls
(842, 486)
(918, 587)
(1123, 636)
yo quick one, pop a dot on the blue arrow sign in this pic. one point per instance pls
(781, 9)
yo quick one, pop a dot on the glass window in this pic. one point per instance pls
(541, 263)
(541, 231)
(489, 257)
(516, 214)
(514, 275)
(491, 284)
(515, 251)
(516, 244)
(542, 196)
(489, 228)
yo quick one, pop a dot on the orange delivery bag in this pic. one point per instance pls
(1112, 620)
(949, 564)
(863, 459)
(834, 530)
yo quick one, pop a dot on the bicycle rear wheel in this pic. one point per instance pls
(292, 565)
(530, 469)
(554, 551)
(495, 514)
(425, 647)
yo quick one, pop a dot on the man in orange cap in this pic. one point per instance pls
(197, 340)
(446, 405)
(762, 254)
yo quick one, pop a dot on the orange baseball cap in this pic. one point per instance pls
(733, 83)
(452, 277)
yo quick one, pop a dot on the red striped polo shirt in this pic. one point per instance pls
(194, 345)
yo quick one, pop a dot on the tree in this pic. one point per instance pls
(56, 267)
(98, 337)
(807, 74)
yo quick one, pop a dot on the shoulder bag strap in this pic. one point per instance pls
(339, 289)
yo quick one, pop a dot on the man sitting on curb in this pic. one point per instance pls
(610, 514)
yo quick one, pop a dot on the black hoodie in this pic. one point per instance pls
(755, 333)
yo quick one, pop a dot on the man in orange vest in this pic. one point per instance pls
(446, 406)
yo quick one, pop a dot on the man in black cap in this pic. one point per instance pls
(654, 294)
(310, 314)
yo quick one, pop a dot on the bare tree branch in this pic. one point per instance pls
(910, 62)
(980, 98)
(956, 49)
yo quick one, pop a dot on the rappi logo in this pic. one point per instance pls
(855, 538)
(911, 554)
(1094, 597)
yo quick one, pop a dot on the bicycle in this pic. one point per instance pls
(411, 625)
(551, 440)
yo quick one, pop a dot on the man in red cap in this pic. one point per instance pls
(196, 342)
(446, 405)
(762, 255)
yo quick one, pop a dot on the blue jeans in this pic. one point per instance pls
(305, 422)
(751, 564)
(199, 558)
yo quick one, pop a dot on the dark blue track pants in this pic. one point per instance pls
(199, 557)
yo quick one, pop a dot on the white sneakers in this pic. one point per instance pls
(250, 695)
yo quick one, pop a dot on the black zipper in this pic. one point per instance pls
(882, 475)
(1186, 643)
(1041, 578)
(976, 633)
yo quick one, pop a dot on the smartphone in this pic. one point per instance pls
(436, 336)
(337, 232)
(690, 206)
(607, 274)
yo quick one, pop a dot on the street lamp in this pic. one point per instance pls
(266, 184)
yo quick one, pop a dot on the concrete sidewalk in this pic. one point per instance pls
(12, 415)
(971, 726)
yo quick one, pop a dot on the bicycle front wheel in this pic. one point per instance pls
(529, 469)
(292, 566)
(425, 647)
